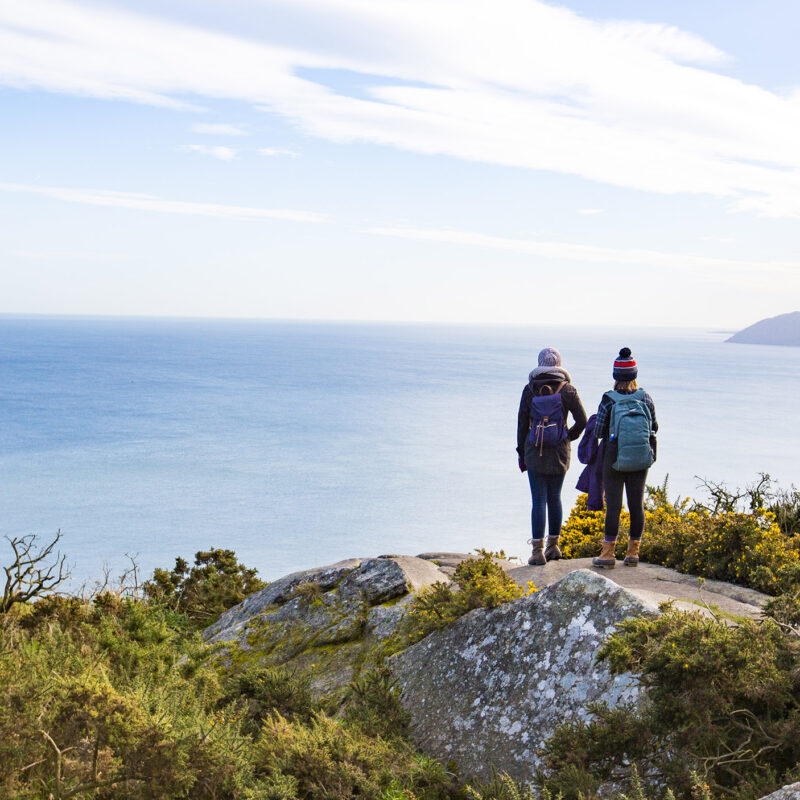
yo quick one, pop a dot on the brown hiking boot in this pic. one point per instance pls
(537, 558)
(632, 556)
(606, 558)
(552, 553)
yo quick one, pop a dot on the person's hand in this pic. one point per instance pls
(522, 465)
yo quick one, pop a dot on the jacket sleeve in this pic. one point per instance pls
(523, 421)
(578, 413)
(603, 414)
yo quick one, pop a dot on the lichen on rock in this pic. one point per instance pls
(488, 690)
(325, 621)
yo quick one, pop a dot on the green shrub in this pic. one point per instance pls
(477, 583)
(215, 583)
(732, 538)
(261, 691)
(328, 761)
(373, 705)
(723, 703)
(502, 787)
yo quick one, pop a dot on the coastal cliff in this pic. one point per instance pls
(485, 692)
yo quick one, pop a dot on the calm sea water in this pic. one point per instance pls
(298, 444)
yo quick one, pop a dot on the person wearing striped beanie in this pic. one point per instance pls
(625, 368)
(626, 419)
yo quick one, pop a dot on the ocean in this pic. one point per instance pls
(299, 443)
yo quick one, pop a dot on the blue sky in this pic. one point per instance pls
(513, 161)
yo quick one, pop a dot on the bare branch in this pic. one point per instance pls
(34, 572)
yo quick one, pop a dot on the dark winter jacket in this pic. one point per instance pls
(591, 451)
(551, 460)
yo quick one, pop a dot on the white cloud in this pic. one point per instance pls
(590, 211)
(215, 151)
(277, 151)
(147, 202)
(72, 255)
(514, 82)
(593, 254)
(219, 129)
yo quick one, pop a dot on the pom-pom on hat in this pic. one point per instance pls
(549, 357)
(625, 368)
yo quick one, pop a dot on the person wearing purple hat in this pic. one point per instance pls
(543, 447)
(626, 419)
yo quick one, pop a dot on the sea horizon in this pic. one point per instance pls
(298, 443)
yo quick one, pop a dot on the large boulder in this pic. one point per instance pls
(324, 620)
(488, 690)
(790, 792)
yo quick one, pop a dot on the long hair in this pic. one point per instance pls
(626, 387)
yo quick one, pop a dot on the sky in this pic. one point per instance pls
(514, 161)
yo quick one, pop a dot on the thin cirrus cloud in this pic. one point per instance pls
(147, 202)
(220, 152)
(593, 254)
(219, 129)
(277, 151)
(516, 82)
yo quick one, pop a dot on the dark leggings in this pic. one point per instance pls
(634, 483)
(546, 497)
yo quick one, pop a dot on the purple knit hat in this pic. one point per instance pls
(549, 357)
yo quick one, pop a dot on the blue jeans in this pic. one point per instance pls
(546, 497)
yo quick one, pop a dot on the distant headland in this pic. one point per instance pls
(781, 330)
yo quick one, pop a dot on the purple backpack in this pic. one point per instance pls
(548, 426)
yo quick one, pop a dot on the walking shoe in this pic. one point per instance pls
(537, 555)
(606, 558)
(552, 553)
(632, 556)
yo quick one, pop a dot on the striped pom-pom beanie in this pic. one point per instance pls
(625, 367)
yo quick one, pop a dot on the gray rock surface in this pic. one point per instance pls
(324, 620)
(493, 686)
(649, 582)
(655, 584)
(790, 792)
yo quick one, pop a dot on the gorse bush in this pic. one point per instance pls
(723, 703)
(734, 538)
(373, 705)
(336, 762)
(260, 691)
(216, 582)
(478, 582)
(117, 698)
(99, 705)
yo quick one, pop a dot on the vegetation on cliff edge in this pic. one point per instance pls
(115, 695)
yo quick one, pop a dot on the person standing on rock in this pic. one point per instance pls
(543, 447)
(626, 419)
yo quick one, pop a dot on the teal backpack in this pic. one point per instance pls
(629, 430)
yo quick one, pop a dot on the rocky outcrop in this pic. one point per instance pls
(491, 688)
(656, 584)
(324, 620)
(487, 691)
(790, 792)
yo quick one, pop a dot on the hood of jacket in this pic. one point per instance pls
(550, 375)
